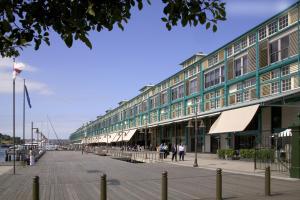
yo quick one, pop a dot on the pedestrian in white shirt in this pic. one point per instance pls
(181, 152)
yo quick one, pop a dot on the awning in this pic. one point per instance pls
(285, 133)
(103, 139)
(128, 135)
(118, 135)
(111, 137)
(235, 120)
(121, 138)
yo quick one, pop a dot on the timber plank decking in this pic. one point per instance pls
(72, 176)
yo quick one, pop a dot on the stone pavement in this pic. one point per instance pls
(211, 162)
(5, 169)
(70, 175)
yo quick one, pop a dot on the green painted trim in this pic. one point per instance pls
(225, 79)
(202, 88)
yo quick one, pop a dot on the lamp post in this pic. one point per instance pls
(36, 131)
(123, 133)
(190, 125)
(145, 130)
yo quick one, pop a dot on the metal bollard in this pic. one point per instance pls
(103, 187)
(219, 184)
(164, 186)
(268, 181)
(35, 188)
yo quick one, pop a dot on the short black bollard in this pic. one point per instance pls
(268, 181)
(35, 188)
(164, 186)
(219, 184)
(103, 192)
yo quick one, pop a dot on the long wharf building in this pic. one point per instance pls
(241, 93)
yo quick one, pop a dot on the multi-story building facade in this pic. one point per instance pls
(243, 91)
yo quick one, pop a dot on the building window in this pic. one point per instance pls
(218, 93)
(239, 86)
(164, 98)
(177, 92)
(250, 82)
(241, 66)
(237, 67)
(252, 39)
(218, 103)
(275, 73)
(239, 97)
(274, 87)
(192, 71)
(237, 47)
(272, 27)
(285, 71)
(180, 91)
(286, 85)
(283, 22)
(284, 46)
(262, 33)
(193, 86)
(212, 104)
(213, 60)
(214, 77)
(246, 95)
(229, 51)
(274, 52)
(244, 43)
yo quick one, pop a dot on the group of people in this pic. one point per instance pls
(164, 151)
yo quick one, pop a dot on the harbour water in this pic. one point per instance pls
(2, 154)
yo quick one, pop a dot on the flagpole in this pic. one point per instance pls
(14, 121)
(24, 112)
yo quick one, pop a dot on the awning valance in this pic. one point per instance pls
(235, 120)
(285, 133)
(128, 135)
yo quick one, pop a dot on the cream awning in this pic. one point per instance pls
(103, 139)
(128, 135)
(117, 137)
(235, 120)
(111, 137)
(121, 138)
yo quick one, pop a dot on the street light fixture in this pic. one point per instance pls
(36, 131)
(145, 131)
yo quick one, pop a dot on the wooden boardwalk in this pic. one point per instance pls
(70, 175)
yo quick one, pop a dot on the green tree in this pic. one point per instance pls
(27, 22)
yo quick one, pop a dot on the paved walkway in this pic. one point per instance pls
(70, 175)
(205, 161)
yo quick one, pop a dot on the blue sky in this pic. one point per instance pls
(75, 85)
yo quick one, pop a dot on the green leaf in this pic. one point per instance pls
(140, 5)
(168, 26)
(202, 17)
(207, 25)
(215, 28)
(69, 40)
(120, 26)
(164, 19)
(84, 39)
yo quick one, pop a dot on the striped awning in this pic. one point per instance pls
(128, 135)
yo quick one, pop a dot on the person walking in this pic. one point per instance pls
(174, 152)
(82, 150)
(181, 152)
